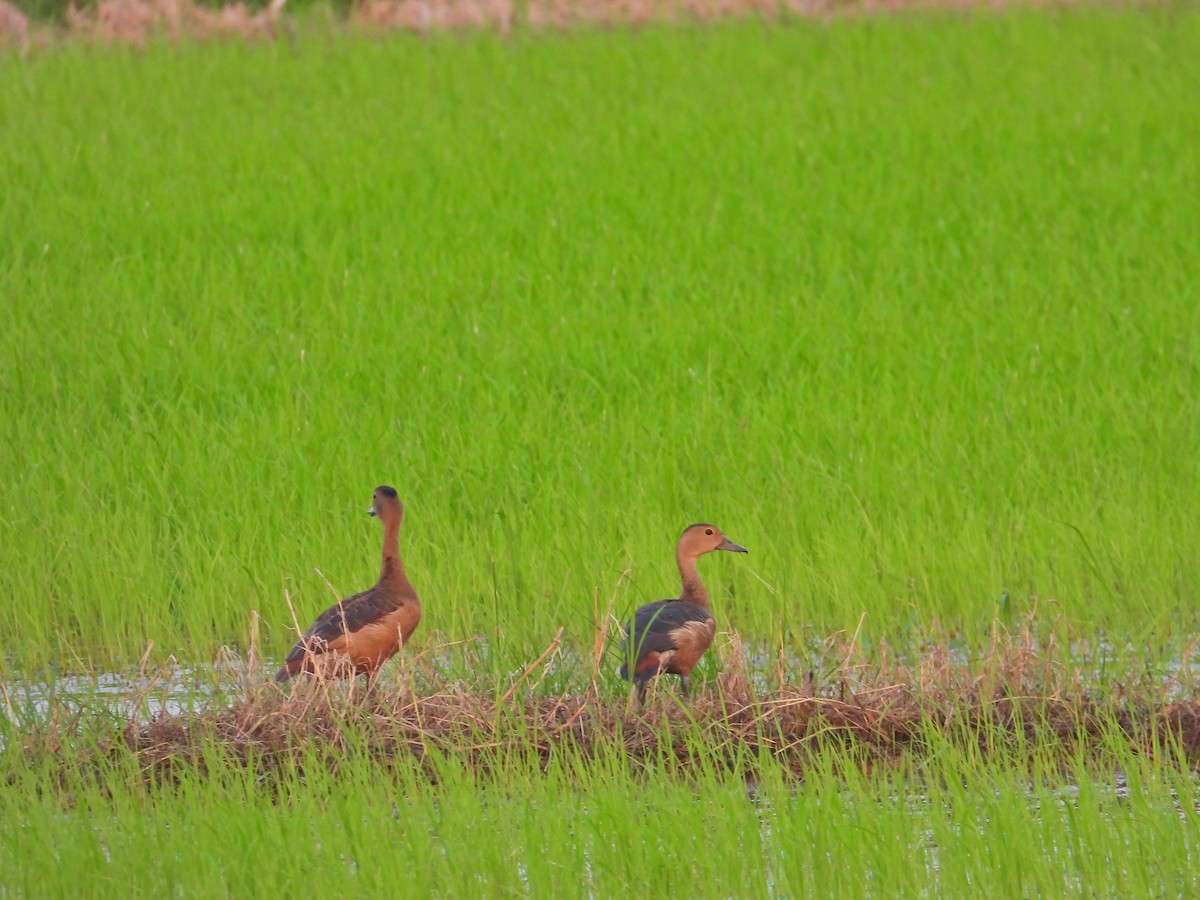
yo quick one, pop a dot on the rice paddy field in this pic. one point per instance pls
(906, 304)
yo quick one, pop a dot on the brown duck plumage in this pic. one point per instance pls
(670, 636)
(359, 634)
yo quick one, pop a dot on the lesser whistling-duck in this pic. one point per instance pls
(359, 634)
(671, 635)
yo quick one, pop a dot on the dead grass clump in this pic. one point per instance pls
(1019, 697)
(115, 21)
(233, 20)
(14, 27)
(434, 15)
(1016, 698)
(133, 22)
(565, 14)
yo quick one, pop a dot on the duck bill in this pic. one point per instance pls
(372, 512)
(727, 544)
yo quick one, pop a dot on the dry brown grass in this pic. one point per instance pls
(1012, 700)
(434, 15)
(14, 27)
(135, 22)
(426, 15)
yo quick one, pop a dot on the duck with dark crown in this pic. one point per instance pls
(670, 636)
(359, 634)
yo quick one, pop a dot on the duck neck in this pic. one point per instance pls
(391, 573)
(693, 588)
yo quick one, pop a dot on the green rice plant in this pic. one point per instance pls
(905, 305)
(528, 824)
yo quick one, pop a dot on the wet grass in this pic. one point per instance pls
(907, 306)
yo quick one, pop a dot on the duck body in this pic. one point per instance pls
(356, 636)
(670, 636)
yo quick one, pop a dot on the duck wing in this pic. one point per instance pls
(659, 632)
(342, 618)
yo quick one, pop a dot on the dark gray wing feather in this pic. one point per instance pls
(344, 617)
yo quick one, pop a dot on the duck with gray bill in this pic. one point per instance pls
(670, 636)
(356, 636)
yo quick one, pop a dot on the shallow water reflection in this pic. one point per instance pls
(173, 689)
(176, 688)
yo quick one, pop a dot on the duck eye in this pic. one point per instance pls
(708, 531)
